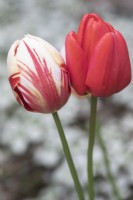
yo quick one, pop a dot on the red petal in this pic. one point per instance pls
(109, 70)
(14, 80)
(98, 70)
(76, 63)
(121, 53)
(83, 24)
(21, 100)
(93, 32)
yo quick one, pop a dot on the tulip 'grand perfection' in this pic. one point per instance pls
(38, 75)
(97, 58)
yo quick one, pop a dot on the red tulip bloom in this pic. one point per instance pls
(37, 75)
(97, 58)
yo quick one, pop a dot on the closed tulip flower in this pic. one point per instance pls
(97, 58)
(37, 75)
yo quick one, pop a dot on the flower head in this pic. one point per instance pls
(97, 58)
(37, 75)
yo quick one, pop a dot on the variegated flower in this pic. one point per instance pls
(38, 75)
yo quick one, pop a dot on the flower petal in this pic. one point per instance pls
(12, 68)
(52, 51)
(43, 95)
(121, 53)
(105, 75)
(83, 24)
(76, 63)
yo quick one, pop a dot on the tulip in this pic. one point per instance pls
(97, 58)
(37, 75)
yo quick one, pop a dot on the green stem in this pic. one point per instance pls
(68, 156)
(111, 178)
(90, 147)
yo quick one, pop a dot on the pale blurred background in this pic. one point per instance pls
(32, 163)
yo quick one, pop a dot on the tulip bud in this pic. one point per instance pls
(37, 75)
(97, 58)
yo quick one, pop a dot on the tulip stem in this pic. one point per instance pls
(68, 156)
(92, 128)
(110, 176)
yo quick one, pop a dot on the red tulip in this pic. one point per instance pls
(37, 75)
(97, 58)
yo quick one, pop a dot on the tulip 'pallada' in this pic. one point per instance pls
(37, 75)
(97, 58)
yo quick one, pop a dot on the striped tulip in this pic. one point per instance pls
(37, 75)
(97, 58)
